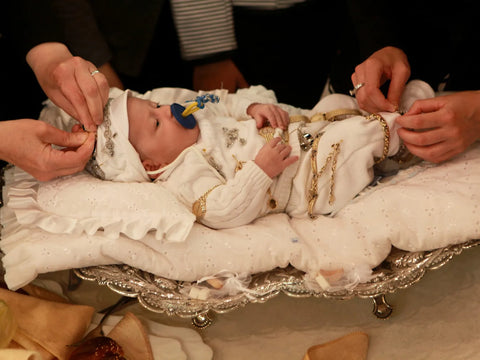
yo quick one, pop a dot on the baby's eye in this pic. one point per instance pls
(158, 105)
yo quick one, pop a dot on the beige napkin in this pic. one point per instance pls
(19, 354)
(353, 346)
(130, 334)
(46, 326)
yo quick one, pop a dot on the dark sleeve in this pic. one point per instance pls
(422, 29)
(375, 24)
(367, 26)
(81, 31)
(31, 22)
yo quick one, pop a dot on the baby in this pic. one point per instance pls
(234, 165)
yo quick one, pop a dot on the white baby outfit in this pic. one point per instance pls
(218, 173)
(218, 179)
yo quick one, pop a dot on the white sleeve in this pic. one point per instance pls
(216, 202)
(237, 106)
(237, 202)
(204, 27)
(231, 105)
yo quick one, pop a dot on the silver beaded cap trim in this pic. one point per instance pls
(92, 166)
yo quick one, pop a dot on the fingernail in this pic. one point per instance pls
(82, 136)
(393, 107)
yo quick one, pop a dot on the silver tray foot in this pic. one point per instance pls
(201, 321)
(381, 309)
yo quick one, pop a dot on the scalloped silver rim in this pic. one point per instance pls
(400, 270)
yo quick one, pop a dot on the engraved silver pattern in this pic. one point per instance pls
(399, 270)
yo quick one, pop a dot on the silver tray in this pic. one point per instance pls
(399, 270)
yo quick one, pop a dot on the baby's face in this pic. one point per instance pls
(156, 134)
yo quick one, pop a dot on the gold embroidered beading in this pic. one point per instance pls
(240, 164)
(331, 158)
(199, 207)
(334, 115)
(272, 203)
(386, 134)
(268, 133)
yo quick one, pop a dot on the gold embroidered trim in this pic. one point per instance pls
(299, 118)
(272, 203)
(386, 135)
(331, 116)
(240, 164)
(199, 207)
(313, 192)
(268, 133)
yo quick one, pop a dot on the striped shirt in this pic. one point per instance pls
(205, 27)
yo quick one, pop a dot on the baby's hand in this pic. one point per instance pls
(274, 157)
(263, 113)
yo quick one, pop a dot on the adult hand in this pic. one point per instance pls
(389, 63)
(70, 82)
(27, 143)
(219, 75)
(439, 128)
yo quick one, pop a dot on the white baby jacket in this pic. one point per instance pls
(221, 167)
(218, 178)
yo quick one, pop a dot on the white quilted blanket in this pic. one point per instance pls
(424, 207)
(421, 208)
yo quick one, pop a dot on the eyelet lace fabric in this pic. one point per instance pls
(424, 207)
(82, 204)
(67, 224)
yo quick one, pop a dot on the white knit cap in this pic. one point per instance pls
(115, 158)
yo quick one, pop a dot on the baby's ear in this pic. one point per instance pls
(149, 165)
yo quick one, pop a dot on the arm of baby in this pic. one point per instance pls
(235, 202)
(240, 200)
(242, 107)
(271, 113)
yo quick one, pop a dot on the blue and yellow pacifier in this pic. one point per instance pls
(184, 114)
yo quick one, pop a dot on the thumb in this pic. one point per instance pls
(64, 138)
